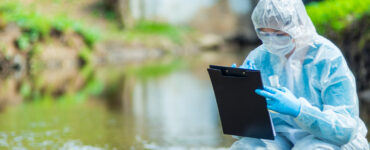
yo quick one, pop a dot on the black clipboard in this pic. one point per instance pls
(242, 111)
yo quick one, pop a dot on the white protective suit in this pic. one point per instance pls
(317, 74)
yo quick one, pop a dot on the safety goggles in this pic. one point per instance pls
(264, 34)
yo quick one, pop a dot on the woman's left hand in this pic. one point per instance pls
(249, 64)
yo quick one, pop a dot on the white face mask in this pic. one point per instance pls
(276, 43)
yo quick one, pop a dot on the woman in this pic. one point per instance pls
(317, 105)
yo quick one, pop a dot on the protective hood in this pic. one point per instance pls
(289, 16)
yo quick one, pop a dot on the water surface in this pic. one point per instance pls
(173, 111)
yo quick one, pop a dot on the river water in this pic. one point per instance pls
(176, 110)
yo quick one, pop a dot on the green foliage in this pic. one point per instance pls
(146, 28)
(26, 89)
(37, 25)
(85, 54)
(23, 42)
(93, 85)
(90, 35)
(102, 9)
(336, 14)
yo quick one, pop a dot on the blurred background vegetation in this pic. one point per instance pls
(119, 74)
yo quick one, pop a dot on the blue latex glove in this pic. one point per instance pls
(281, 100)
(248, 65)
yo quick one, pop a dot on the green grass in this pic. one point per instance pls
(36, 26)
(148, 29)
(336, 15)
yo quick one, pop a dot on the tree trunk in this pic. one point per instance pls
(124, 13)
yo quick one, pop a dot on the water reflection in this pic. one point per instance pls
(175, 111)
(179, 109)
